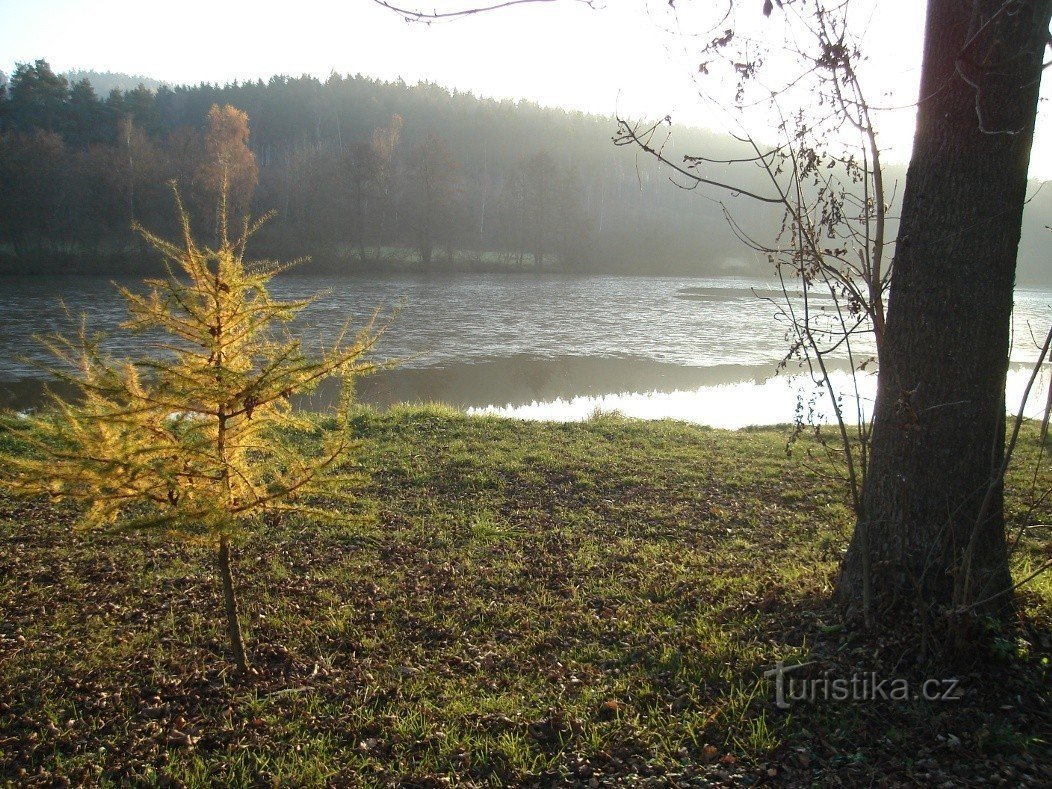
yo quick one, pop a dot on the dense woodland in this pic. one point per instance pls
(359, 173)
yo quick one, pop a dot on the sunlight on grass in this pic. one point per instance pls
(534, 603)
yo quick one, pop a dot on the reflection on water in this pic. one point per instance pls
(523, 344)
(515, 381)
(777, 400)
(520, 380)
(463, 318)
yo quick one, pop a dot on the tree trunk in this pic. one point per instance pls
(1048, 413)
(360, 205)
(427, 236)
(939, 419)
(233, 622)
(381, 233)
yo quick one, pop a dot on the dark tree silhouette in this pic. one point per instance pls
(38, 97)
(932, 520)
(433, 175)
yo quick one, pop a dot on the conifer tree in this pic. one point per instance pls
(185, 440)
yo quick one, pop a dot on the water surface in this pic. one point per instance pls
(527, 345)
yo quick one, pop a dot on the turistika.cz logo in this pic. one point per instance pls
(865, 686)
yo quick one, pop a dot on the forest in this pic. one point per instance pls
(358, 172)
(364, 173)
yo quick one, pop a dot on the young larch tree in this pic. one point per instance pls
(186, 440)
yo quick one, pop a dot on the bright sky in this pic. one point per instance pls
(622, 57)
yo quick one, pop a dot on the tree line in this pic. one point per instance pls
(363, 170)
(357, 171)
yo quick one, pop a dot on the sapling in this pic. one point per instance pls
(188, 439)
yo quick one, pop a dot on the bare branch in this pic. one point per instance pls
(417, 15)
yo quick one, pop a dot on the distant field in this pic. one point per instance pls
(525, 603)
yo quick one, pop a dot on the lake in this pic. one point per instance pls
(545, 346)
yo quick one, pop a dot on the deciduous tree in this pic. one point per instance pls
(229, 172)
(932, 512)
(930, 537)
(32, 205)
(432, 191)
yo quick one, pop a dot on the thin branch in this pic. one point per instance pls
(416, 15)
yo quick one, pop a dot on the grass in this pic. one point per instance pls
(527, 603)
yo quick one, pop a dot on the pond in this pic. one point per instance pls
(528, 345)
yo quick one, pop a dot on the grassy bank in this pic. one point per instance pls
(587, 604)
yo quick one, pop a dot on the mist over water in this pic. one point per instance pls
(527, 345)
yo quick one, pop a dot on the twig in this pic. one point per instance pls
(965, 609)
(965, 578)
(414, 15)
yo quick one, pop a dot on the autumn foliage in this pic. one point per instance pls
(229, 166)
(186, 440)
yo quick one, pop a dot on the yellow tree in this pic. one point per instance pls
(185, 440)
(228, 170)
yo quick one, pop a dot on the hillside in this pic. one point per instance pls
(521, 184)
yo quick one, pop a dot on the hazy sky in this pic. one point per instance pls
(624, 57)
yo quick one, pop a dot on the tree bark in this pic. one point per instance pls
(939, 418)
(1048, 414)
(233, 621)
